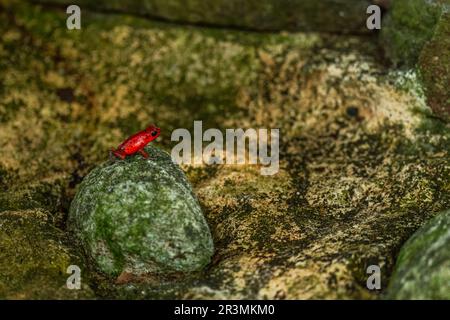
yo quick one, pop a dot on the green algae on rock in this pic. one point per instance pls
(34, 257)
(341, 16)
(407, 27)
(423, 266)
(417, 33)
(140, 216)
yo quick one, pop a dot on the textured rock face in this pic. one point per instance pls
(140, 216)
(434, 65)
(423, 266)
(364, 163)
(340, 16)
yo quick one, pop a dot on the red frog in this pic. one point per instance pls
(137, 142)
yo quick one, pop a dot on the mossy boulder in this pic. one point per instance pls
(140, 216)
(341, 16)
(423, 267)
(34, 257)
(407, 27)
(416, 33)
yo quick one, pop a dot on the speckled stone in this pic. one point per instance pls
(140, 216)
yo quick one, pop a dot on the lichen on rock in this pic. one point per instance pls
(140, 216)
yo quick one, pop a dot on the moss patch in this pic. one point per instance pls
(408, 27)
(423, 266)
(34, 257)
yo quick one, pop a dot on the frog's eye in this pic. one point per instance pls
(154, 133)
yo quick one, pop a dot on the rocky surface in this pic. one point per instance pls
(423, 266)
(139, 216)
(364, 162)
(408, 26)
(434, 65)
(34, 258)
(340, 16)
(417, 32)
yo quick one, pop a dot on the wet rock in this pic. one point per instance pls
(140, 216)
(423, 266)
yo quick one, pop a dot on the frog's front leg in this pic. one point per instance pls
(144, 154)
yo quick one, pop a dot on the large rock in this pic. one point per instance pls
(34, 258)
(423, 266)
(434, 65)
(140, 216)
(407, 27)
(341, 16)
(417, 33)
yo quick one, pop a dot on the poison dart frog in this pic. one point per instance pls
(136, 143)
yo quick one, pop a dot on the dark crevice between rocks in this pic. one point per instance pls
(181, 23)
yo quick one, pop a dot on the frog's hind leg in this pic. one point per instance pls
(116, 153)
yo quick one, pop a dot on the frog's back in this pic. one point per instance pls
(134, 143)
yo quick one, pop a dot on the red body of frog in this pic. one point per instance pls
(137, 142)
